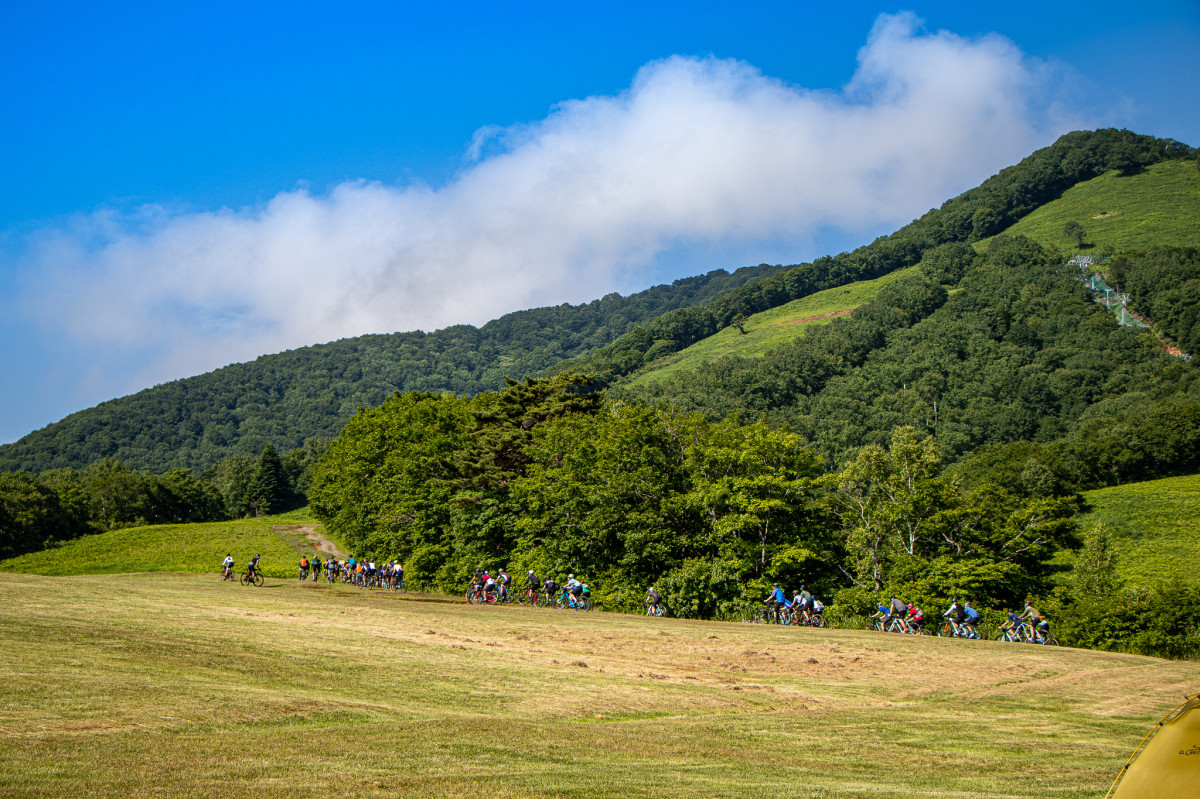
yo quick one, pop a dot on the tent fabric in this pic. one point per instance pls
(1167, 762)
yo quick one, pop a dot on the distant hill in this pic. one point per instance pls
(286, 398)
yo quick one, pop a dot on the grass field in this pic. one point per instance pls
(281, 540)
(769, 329)
(179, 685)
(1154, 525)
(1156, 208)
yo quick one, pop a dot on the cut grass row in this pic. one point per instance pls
(767, 330)
(183, 686)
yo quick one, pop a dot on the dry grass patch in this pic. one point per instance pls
(179, 685)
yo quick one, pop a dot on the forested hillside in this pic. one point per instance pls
(285, 399)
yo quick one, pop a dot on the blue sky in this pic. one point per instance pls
(189, 188)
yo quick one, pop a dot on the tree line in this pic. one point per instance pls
(39, 511)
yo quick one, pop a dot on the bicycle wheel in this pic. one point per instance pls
(1050, 640)
(818, 620)
(258, 580)
(245, 579)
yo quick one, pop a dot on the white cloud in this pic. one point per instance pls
(567, 208)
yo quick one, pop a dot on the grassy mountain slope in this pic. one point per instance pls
(1158, 207)
(1153, 525)
(767, 330)
(284, 399)
(165, 685)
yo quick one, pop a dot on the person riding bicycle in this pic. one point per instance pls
(575, 588)
(1012, 624)
(489, 583)
(252, 567)
(1037, 623)
(915, 617)
(303, 566)
(549, 587)
(502, 582)
(805, 598)
(881, 614)
(776, 601)
(956, 615)
(227, 567)
(897, 609)
(316, 568)
(653, 598)
(398, 573)
(972, 620)
(534, 583)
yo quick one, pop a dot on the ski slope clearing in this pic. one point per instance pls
(181, 685)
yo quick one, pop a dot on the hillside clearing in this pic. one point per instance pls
(1154, 527)
(138, 685)
(767, 330)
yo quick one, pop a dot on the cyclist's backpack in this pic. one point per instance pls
(818, 606)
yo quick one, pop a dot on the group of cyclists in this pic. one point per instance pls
(802, 608)
(895, 615)
(366, 574)
(486, 589)
(962, 621)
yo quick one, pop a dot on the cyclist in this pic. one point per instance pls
(533, 585)
(653, 599)
(585, 596)
(972, 620)
(304, 567)
(957, 616)
(776, 601)
(398, 575)
(252, 567)
(489, 584)
(1013, 624)
(574, 589)
(227, 567)
(316, 569)
(1038, 626)
(806, 603)
(551, 587)
(880, 615)
(897, 609)
(915, 616)
(502, 581)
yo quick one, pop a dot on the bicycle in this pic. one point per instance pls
(255, 579)
(1035, 636)
(528, 596)
(228, 575)
(303, 573)
(654, 610)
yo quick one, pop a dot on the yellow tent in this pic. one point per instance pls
(1167, 762)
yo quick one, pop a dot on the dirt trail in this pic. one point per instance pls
(319, 541)
(814, 318)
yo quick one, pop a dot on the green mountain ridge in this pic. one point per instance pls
(286, 399)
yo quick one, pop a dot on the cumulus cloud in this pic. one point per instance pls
(566, 208)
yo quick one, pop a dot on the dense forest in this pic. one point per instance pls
(285, 399)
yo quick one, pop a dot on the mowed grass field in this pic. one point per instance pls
(181, 685)
(1155, 527)
(1158, 207)
(767, 330)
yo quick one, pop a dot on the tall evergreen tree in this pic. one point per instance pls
(269, 487)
